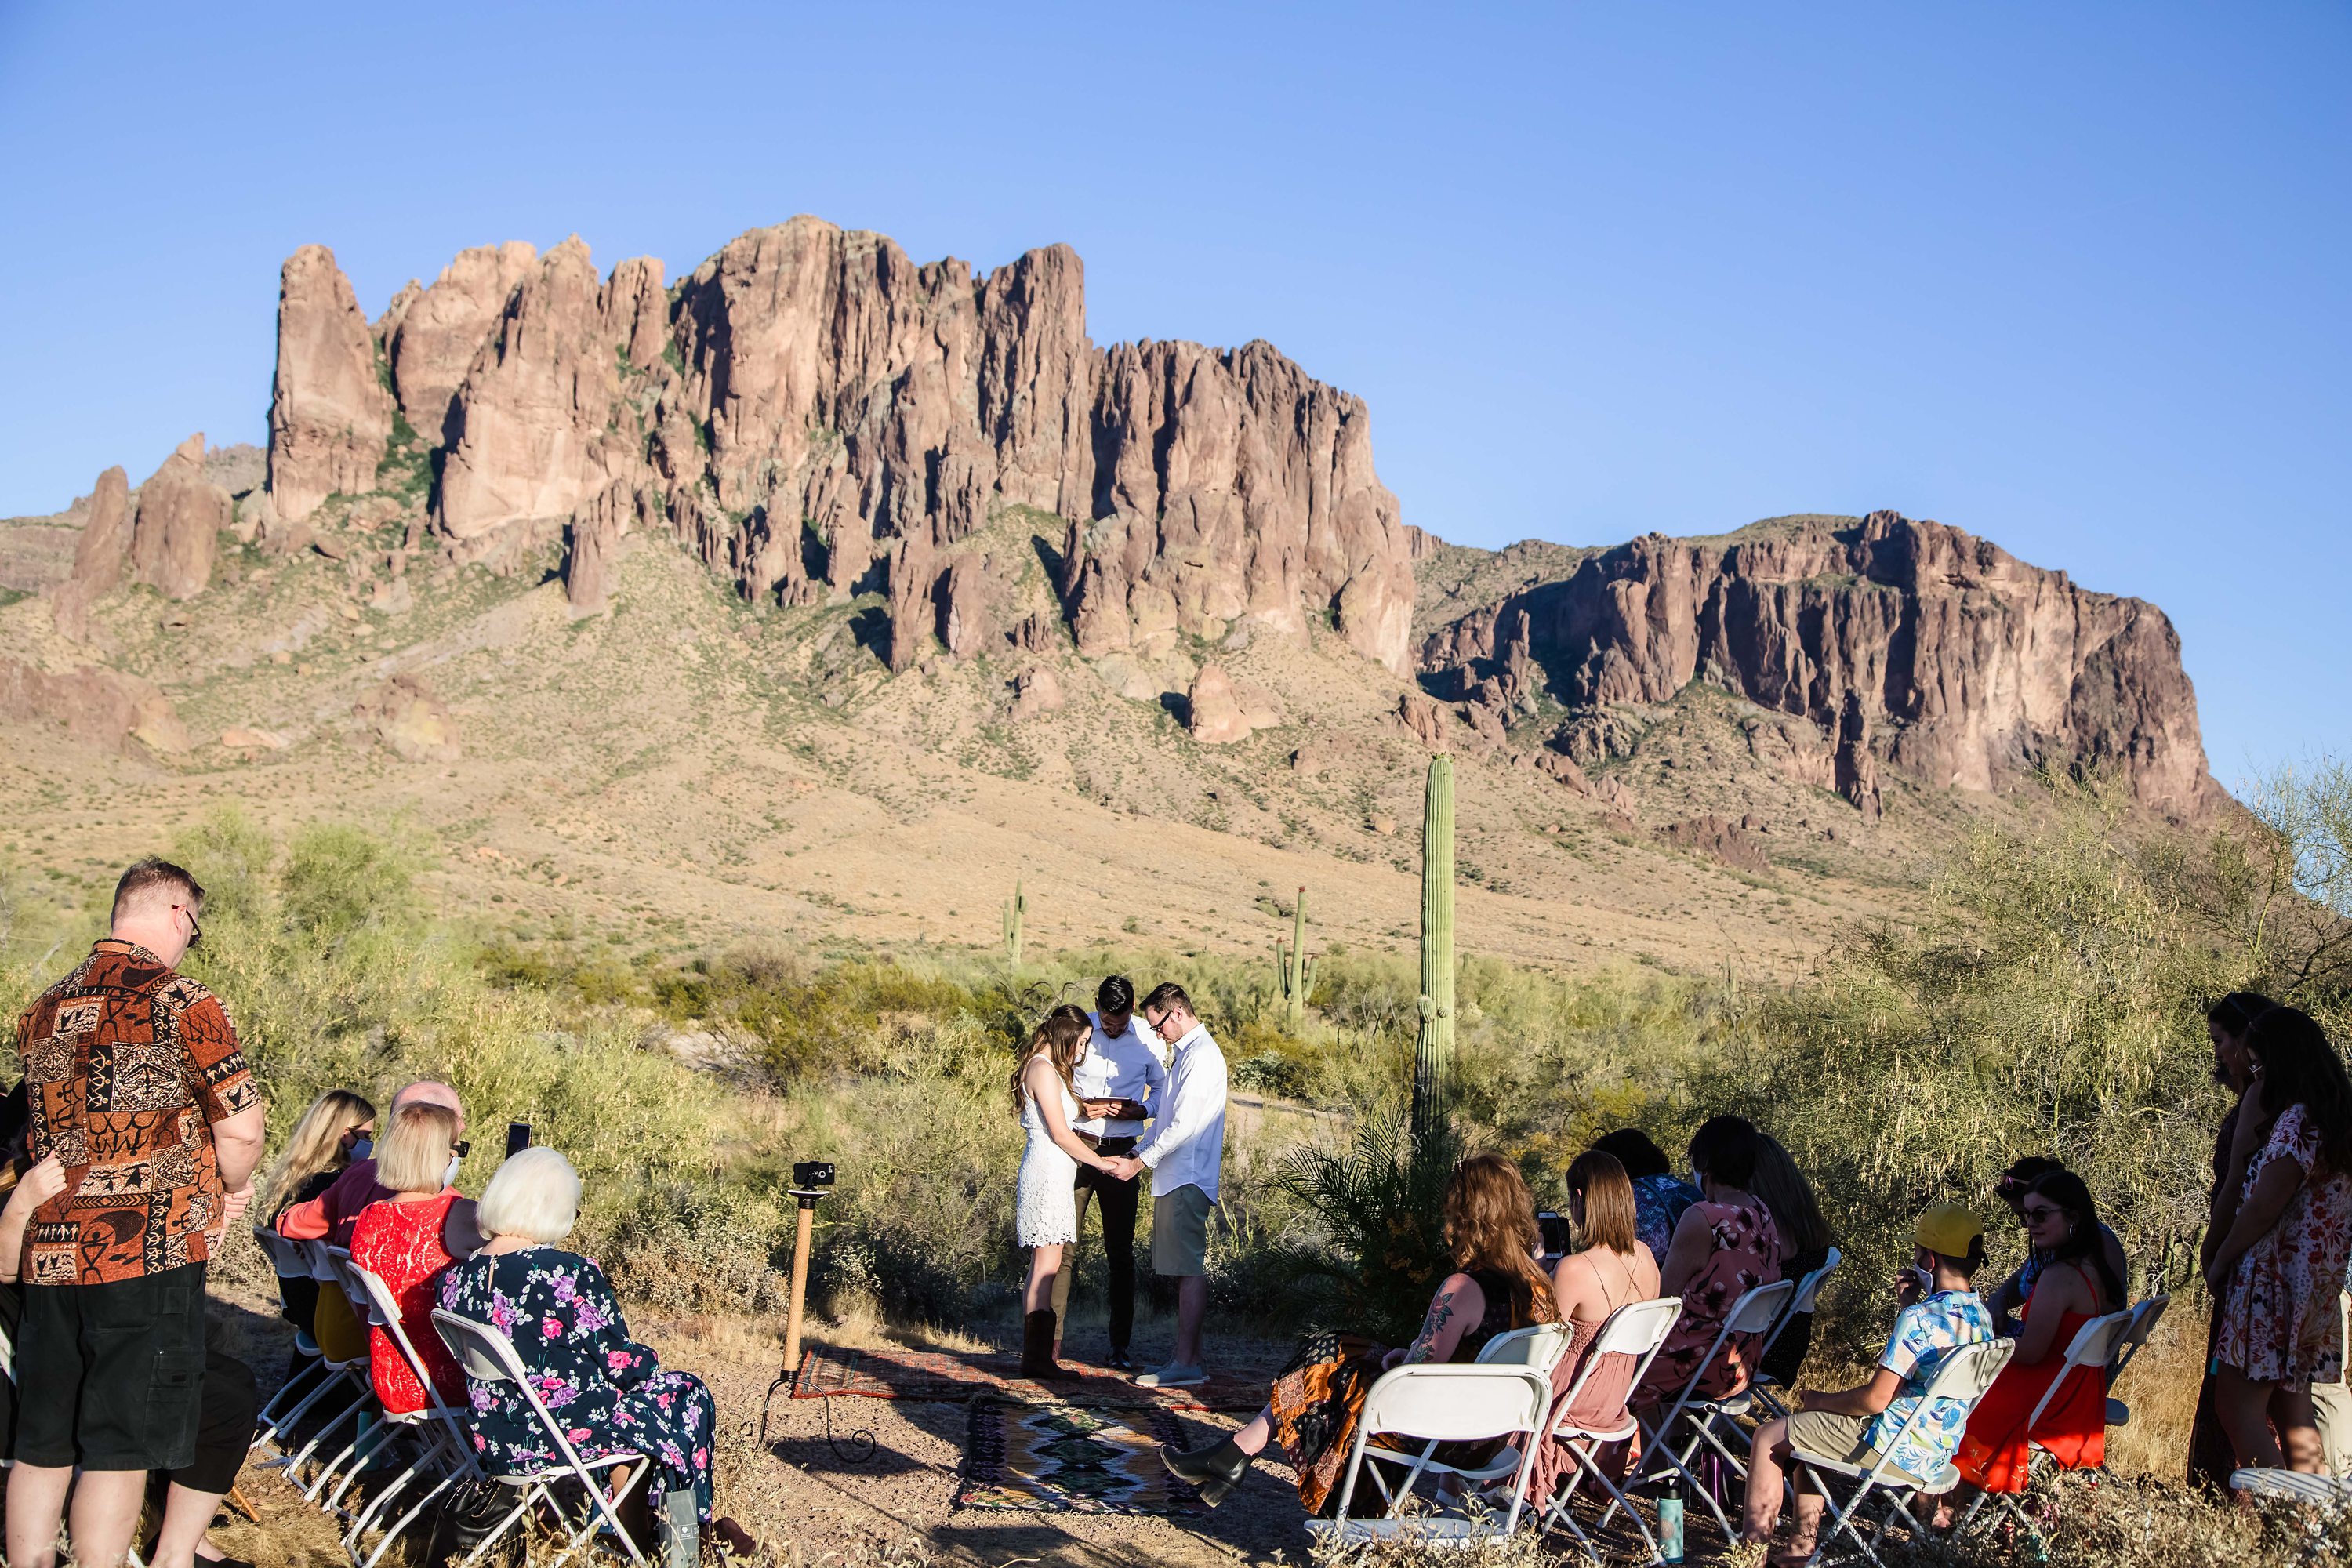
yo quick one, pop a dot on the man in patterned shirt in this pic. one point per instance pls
(136, 1083)
(1941, 1314)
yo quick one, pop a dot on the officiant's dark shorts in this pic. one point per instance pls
(1180, 1233)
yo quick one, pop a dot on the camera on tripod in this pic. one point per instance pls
(812, 1172)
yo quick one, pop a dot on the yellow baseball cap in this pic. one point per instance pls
(1947, 1229)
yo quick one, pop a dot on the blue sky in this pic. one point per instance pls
(2072, 277)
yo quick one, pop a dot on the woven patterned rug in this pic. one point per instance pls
(827, 1370)
(1058, 1458)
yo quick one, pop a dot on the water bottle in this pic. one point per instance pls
(1670, 1518)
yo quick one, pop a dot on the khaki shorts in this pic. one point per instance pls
(1836, 1438)
(1180, 1233)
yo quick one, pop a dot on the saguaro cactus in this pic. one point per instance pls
(1432, 1056)
(1015, 908)
(1294, 970)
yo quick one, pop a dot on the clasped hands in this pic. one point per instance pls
(1126, 1167)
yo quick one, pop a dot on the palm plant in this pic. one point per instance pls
(1380, 1207)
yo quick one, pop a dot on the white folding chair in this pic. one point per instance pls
(487, 1356)
(1753, 1314)
(286, 1261)
(350, 1375)
(2293, 1486)
(1636, 1330)
(443, 1448)
(369, 1431)
(1539, 1349)
(1963, 1375)
(2092, 1348)
(2144, 1318)
(1809, 1295)
(1445, 1403)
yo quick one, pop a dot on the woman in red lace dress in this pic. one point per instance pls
(2075, 1284)
(407, 1240)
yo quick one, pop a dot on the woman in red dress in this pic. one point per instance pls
(407, 1240)
(2076, 1283)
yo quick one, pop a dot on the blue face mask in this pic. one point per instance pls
(362, 1147)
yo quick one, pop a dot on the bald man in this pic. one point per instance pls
(135, 1083)
(330, 1215)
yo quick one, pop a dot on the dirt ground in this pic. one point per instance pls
(809, 1497)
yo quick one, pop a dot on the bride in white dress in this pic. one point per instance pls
(1045, 1202)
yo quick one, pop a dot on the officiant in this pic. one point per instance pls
(1120, 1076)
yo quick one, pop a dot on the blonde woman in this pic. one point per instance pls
(340, 1126)
(407, 1240)
(1046, 1209)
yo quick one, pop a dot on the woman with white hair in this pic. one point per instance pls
(609, 1392)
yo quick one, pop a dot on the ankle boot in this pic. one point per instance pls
(1216, 1469)
(1037, 1345)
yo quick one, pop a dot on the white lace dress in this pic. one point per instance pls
(1045, 1207)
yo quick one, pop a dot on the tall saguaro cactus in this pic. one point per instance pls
(1432, 1056)
(1294, 970)
(1015, 908)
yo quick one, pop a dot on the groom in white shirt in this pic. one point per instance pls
(1119, 1072)
(1184, 1150)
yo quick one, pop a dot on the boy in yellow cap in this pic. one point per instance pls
(1941, 1314)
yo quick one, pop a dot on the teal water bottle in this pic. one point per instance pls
(1670, 1518)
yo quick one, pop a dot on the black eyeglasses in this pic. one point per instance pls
(195, 931)
(461, 1148)
(2036, 1215)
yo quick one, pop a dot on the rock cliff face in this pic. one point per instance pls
(813, 415)
(98, 555)
(1940, 652)
(181, 515)
(330, 415)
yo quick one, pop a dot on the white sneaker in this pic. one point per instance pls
(1172, 1376)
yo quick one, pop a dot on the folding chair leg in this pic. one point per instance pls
(268, 1419)
(285, 1425)
(442, 1485)
(384, 1495)
(531, 1494)
(294, 1464)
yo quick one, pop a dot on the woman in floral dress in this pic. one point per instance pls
(2286, 1237)
(1725, 1245)
(608, 1392)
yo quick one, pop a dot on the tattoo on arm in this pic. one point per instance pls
(1441, 1313)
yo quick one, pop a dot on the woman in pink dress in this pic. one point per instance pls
(1725, 1245)
(407, 1240)
(2286, 1235)
(1613, 1269)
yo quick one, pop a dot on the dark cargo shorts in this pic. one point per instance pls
(111, 1377)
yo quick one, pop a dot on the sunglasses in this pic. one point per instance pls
(2033, 1215)
(195, 931)
(461, 1148)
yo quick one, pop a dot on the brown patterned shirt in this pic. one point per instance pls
(127, 1065)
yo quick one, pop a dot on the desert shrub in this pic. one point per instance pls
(2049, 1001)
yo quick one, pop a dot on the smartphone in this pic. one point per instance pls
(518, 1138)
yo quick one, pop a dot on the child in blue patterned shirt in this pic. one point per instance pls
(1941, 1314)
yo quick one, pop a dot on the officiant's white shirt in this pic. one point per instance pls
(1187, 1146)
(1118, 1067)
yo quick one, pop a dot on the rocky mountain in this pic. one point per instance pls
(943, 465)
(813, 415)
(1930, 649)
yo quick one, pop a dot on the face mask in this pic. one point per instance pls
(1926, 1280)
(449, 1176)
(362, 1147)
